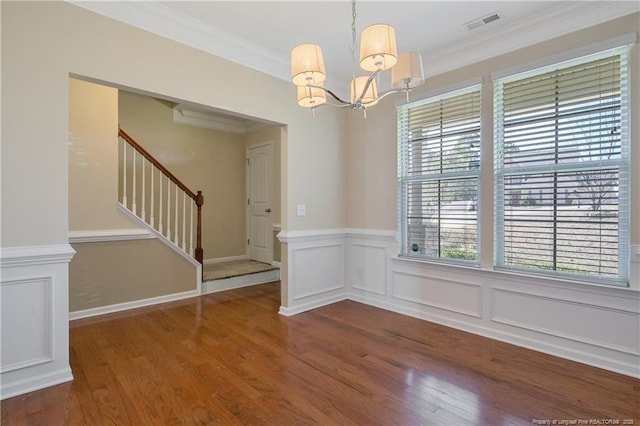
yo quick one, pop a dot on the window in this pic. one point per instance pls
(561, 169)
(438, 172)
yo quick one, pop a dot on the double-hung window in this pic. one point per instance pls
(438, 174)
(561, 169)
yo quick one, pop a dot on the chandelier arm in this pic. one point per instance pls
(336, 97)
(366, 86)
(334, 105)
(390, 92)
(344, 103)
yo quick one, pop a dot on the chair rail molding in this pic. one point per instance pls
(102, 235)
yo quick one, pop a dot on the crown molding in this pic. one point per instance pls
(166, 22)
(553, 22)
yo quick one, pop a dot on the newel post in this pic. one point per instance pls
(199, 253)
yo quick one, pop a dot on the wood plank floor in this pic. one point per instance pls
(229, 358)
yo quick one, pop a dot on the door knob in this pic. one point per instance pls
(267, 210)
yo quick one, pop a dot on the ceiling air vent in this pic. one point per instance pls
(477, 23)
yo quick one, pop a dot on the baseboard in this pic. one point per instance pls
(10, 389)
(224, 259)
(318, 303)
(102, 310)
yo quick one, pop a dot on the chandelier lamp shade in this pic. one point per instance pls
(377, 53)
(307, 65)
(378, 48)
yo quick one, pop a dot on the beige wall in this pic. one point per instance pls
(93, 158)
(145, 269)
(203, 159)
(372, 155)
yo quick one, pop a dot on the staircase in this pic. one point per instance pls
(152, 195)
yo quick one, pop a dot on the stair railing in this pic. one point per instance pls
(162, 197)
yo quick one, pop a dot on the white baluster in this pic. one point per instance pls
(160, 204)
(168, 209)
(184, 221)
(152, 219)
(191, 230)
(144, 213)
(133, 191)
(124, 172)
(175, 240)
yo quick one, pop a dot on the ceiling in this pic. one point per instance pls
(260, 34)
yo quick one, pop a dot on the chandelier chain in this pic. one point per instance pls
(354, 43)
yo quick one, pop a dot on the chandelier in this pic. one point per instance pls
(377, 53)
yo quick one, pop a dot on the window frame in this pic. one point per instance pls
(405, 178)
(622, 164)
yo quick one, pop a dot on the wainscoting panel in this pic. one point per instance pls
(448, 295)
(368, 252)
(315, 270)
(591, 324)
(34, 318)
(368, 268)
(318, 269)
(32, 334)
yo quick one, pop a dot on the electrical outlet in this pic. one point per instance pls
(301, 210)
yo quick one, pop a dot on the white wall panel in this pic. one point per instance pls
(368, 268)
(458, 297)
(315, 269)
(34, 321)
(28, 341)
(582, 322)
(318, 269)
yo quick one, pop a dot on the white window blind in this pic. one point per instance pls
(438, 171)
(561, 169)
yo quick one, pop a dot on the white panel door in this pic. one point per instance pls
(259, 218)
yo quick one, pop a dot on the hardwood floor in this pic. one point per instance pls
(229, 358)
